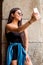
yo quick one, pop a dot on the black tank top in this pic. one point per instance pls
(13, 37)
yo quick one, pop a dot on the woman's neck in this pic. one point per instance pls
(15, 22)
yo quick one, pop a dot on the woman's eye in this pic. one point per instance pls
(20, 14)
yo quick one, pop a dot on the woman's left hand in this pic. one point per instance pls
(27, 61)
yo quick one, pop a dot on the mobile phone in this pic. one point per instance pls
(35, 10)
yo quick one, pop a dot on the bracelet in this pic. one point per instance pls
(29, 22)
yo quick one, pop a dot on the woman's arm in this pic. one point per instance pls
(22, 27)
(27, 41)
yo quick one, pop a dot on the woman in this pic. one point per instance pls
(16, 35)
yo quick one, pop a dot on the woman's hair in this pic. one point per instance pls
(10, 19)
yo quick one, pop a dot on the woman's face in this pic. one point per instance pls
(18, 15)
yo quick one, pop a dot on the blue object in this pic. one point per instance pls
(21, 54)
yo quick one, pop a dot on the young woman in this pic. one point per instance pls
(17, 38)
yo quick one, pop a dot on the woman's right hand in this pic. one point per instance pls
(35, 17)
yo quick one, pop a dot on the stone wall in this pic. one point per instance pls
(35, 32)
(0, 31)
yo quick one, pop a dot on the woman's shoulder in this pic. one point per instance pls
(11, 27)
(8, 25)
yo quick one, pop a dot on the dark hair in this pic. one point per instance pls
(10, 19)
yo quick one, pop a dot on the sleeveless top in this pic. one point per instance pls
(13, 37)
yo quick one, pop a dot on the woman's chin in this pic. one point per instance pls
(19, 20)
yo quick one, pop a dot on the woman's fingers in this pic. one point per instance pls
(35, 16)
(27, 57)
(28, 60)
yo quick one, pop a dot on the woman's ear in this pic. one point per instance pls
(12, 15)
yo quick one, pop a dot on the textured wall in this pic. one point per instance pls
(35, 32)
(0, 31)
